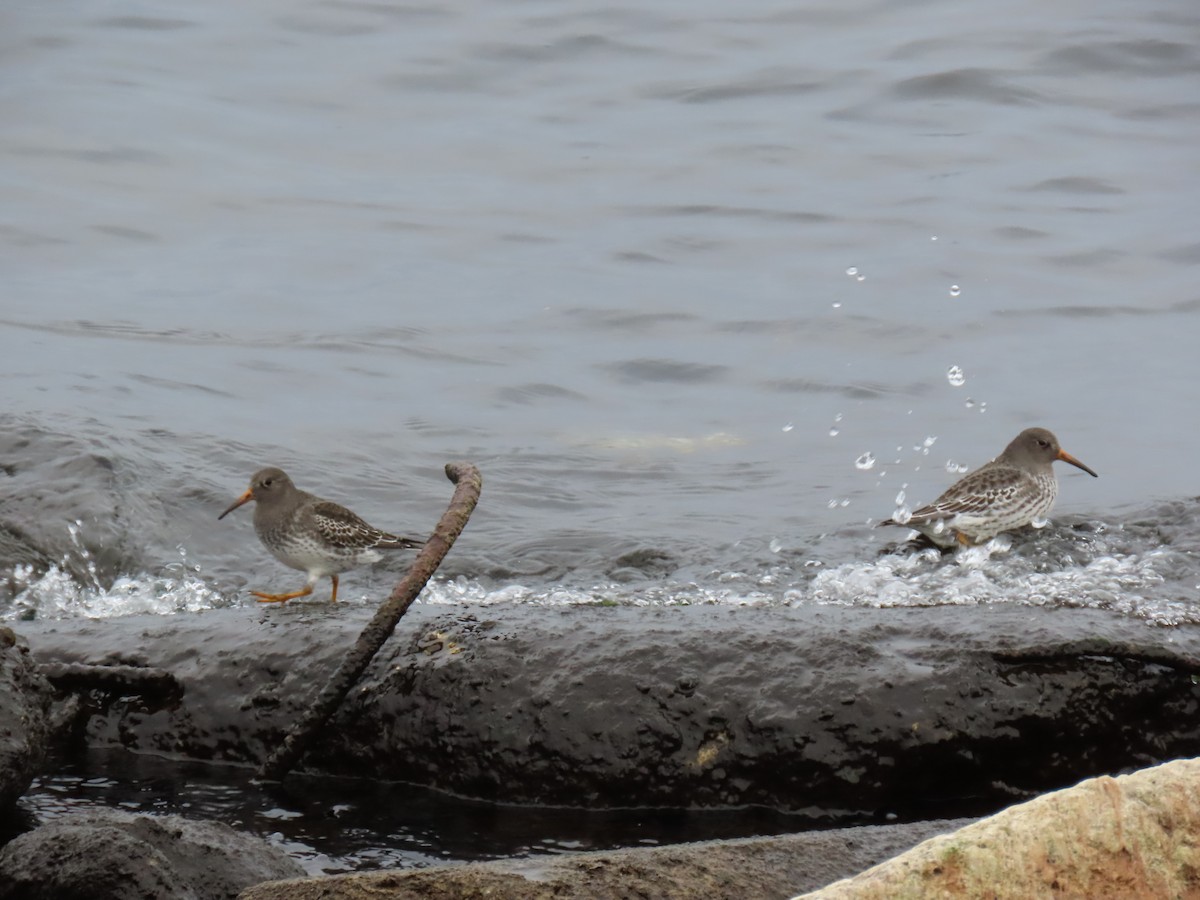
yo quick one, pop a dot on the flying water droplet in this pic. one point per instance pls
(955, 376)
(933, 237)
(776, 545)
(970, 403)
(833, 429)
(1039, 522)
(865, 462)
(902, 515)
(954, 468)
(939, 526)
(837, 305)
(852, 271)
(955, 290)
(860, 278)
(788, 427)
(900, 498)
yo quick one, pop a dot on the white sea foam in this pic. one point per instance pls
(57, 594)
(1120, 581)
(1101, 571)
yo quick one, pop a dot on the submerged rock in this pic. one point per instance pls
(110, 855)
(849, 714)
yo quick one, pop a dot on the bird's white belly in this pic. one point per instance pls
(322, 561)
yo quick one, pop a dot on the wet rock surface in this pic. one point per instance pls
(111, 855)
(25, 717)
(848, 713)
(753, 868)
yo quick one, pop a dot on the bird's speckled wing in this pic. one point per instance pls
(985, 489)
(342, 528)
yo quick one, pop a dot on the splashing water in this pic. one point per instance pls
(57, 594)
(956, 376)
(865, 462)
(923, 447)
(1098, 576)
(1058, 567)
(75, 529)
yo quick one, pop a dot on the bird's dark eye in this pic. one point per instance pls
(267, 482)
(1043, 443)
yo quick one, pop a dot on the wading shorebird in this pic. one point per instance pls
(1014, 489)
(316, 536)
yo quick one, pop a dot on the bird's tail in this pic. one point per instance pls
(395, 542)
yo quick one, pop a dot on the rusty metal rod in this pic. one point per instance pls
(468, 483)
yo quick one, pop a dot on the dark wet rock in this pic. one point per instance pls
(849, 714)
(748, 869)
(110, 855)
(24, 718)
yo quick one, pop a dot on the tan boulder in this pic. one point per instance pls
(1131, 837)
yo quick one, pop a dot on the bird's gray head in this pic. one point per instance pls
(267, 486)
(1038, 446)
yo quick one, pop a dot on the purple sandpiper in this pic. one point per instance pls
(313, 535)
(1014, 489)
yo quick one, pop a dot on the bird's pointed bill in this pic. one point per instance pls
(240, 501)
(1068, 458)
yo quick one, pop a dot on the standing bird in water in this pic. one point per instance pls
(313, 535)
(1014, 489)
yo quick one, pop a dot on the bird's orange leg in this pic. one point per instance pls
(333, 578)
(282, 598)
(963, 539)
